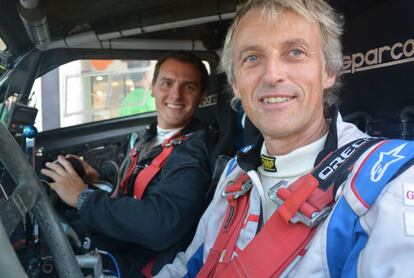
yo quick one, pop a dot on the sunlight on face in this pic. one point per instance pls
(279, 75)
(177, 93)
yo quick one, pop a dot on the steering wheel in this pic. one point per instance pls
(30, 196)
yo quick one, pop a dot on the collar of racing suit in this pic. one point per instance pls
(151, 130)
(250, 160)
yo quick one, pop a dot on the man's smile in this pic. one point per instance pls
(175, 105)
(272, 100)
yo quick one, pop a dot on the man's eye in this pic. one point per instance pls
(251, 58)
(190, 88)
(296, 52)
(165, 83)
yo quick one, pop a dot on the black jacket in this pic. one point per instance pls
(164, 220)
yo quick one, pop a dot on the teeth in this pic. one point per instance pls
(174, 106)
(271, 100)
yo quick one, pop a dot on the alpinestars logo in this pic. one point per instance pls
(384, 161)
(381, 57)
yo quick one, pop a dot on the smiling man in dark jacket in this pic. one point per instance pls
(155, 212)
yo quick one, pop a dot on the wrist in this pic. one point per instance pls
(82, 198)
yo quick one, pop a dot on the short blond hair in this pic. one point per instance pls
(318, 11)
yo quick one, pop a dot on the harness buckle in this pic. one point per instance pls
(174, 142)
(316, 218)
(245, 187)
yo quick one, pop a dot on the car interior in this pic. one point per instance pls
(39, 37)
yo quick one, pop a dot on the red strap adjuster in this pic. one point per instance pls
(239, 188)
(302, 201)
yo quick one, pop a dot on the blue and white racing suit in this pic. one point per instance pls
(369, 232)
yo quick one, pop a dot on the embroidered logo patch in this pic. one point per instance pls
(408, 194)
(385, 160)
(269, 163)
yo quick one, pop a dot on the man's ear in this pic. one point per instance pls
(152, 89)
(328, 79)
(235, 90)
(203, 96)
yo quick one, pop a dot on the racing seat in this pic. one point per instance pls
(221, 118)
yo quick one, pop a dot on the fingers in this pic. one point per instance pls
(90, 172)
(53, 170)
(66, 165)
(64, 168)
(50, 173)
(56, 171)
(67, 183)
(83, 162)
(72, 155)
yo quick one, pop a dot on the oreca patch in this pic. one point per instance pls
(269, 163)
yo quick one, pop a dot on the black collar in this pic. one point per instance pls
(331, 143)
(250, 160)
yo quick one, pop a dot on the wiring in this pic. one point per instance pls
(106, 253)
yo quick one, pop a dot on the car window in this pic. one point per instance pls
(86, 91)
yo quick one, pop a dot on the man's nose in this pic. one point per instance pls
(175, 91)
(274, 71)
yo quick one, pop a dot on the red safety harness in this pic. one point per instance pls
(285, 236)
(148, 173)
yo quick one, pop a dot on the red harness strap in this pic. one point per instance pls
(281, 239)
(145, 176)
(230, 229)
(146, 270)
(148, 173)
(302, 206)
(134, 154)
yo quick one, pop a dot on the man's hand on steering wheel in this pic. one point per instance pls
(67, 183)
(90, 173)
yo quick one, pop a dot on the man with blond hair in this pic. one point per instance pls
(285, 207)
